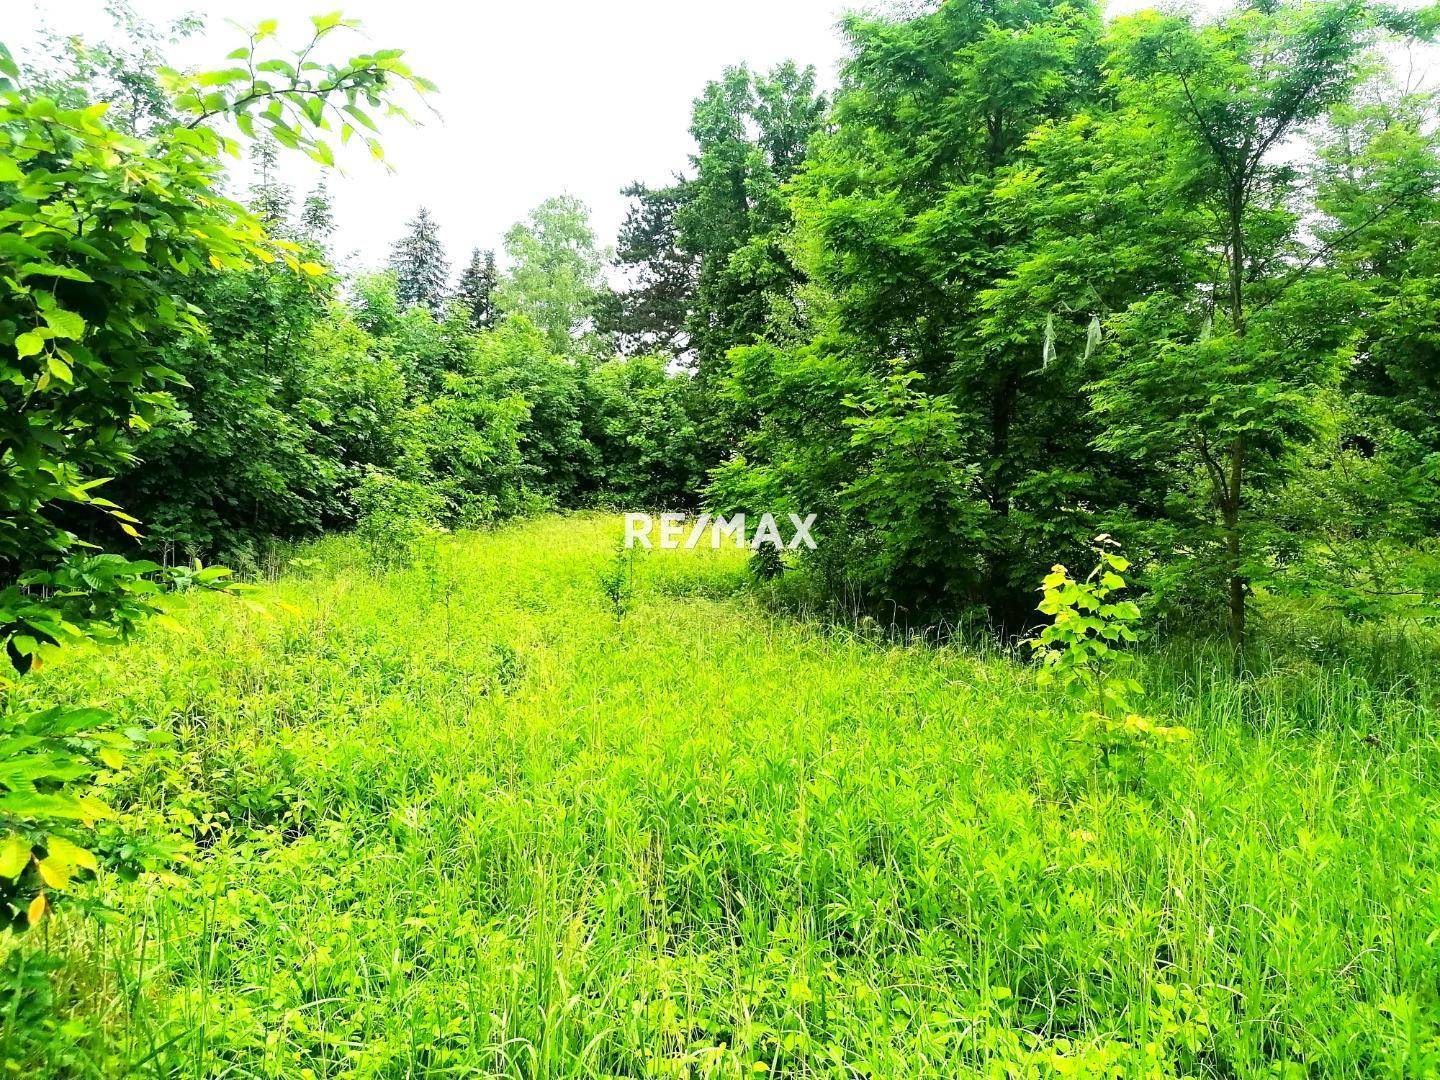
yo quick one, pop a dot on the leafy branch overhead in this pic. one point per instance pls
(296, 98)
(102, 232)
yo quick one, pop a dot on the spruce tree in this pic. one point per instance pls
(476, 291)
(418, 261)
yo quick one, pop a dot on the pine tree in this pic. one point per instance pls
(422, 273)
(652, 313)
(476, 291)
(269, 198)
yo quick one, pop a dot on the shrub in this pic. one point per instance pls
(1084, 652)
(399, 520)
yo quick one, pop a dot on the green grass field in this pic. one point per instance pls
(457, 821)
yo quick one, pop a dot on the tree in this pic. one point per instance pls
(751, 135)
(422, 272)
(270, 199)
(1234, 373)
(97, 227)
(317, 216)
(555, 272)
(463, 444)
(652, 313)
(424, 348)
(476, 291)
(902, 234)
(285, 400)
(1378, 186)
(520, 360)
(127, 73)
(646, 433)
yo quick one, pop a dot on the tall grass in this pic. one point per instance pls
(482, 828)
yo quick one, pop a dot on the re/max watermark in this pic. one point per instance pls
(673, 531)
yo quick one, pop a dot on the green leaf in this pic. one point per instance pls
(28, 344)
(69, 273)
(14, 855)
(59, 369)
(170, 623)
(65, 324)
(33, 804)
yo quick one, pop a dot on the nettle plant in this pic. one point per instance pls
(1086, 655)
(98, 228)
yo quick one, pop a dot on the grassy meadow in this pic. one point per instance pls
(461, 821)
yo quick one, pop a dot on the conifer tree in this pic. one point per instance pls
(653, 312)
(422, 272)
(476, 291)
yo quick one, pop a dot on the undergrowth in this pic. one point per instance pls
(496, 830)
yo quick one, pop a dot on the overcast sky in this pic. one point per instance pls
(536, 98)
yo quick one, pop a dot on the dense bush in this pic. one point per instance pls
(300, 388)
(1064, 276)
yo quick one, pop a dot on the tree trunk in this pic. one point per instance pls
(1230, 511)
(1230, 501)
(1008, 609)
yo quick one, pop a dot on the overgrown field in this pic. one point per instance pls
(460, 821)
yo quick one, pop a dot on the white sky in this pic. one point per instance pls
(536, 98)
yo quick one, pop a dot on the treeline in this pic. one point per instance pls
(297, 400)
(1033, 276)
(427, 393)
(1026, 277)
(311, 400)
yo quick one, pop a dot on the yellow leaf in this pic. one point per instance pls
(36, 911)
(14, 856)
(289, 609)
(112, 758)
(169, 622)
(130, 530)
(55, 873)
(94, 809)
(69, 855)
